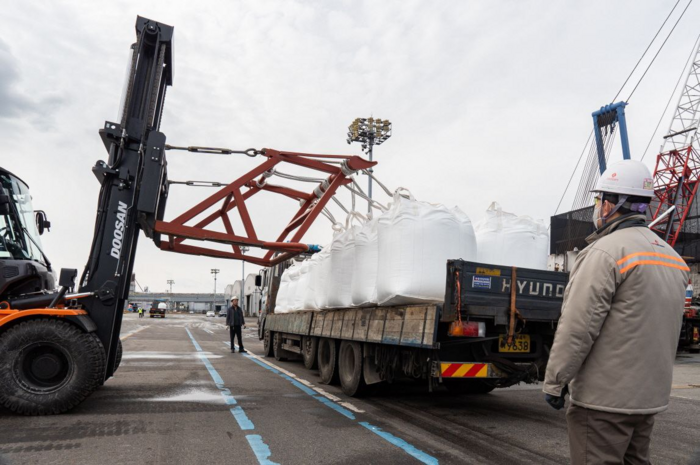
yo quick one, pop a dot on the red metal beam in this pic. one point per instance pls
(232, 197)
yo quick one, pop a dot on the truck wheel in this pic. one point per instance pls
(327, 361)
(350, 368)
(118, 359)
(267, 344)
(467, 386)
(277, 348)
(48, 367)
(309, 350)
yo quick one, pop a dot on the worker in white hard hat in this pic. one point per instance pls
(616, 340)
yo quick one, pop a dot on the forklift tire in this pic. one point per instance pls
(309, 350)
(350, 368)
(467, 386)
(328, 361)
(48, 367)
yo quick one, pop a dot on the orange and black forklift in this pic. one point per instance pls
(58, 345)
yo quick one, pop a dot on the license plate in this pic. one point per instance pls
(520, 345)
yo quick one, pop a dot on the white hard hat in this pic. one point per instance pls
(626, 177)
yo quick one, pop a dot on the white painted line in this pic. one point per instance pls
(132, 333)
(209, 331)
(327, 395)
(349, 406)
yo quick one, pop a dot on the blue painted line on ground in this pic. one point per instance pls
(242, 419)
(260, 449)
(398, 442)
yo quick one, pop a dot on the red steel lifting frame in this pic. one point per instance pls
(675, 183)
(233, 196)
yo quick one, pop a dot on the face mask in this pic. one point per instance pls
(596, 214)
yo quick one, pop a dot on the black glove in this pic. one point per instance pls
(557, 403)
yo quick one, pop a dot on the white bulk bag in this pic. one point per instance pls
(342, 264)
(311, 290)
(415, 241)
(300, 289)
(511, 240)
(364, 279)
(467, 237)
(322, 278)
(293, 272)
(282, 300)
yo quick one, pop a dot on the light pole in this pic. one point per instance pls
(244, 249)
(171, 282)
(214, 271)
(369, 132)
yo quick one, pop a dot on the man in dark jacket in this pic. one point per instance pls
(234, 321)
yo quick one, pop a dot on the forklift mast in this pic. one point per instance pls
(133, 182)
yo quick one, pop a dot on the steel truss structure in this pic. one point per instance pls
(339, 169)
(677, 168)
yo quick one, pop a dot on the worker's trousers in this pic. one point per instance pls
(235, 330)
(597, 437)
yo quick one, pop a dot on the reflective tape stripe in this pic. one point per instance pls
(639, 262)
(464, 370)
(649, 254)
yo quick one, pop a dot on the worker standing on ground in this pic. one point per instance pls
(234, 321)
(140, 312)
(616, 340)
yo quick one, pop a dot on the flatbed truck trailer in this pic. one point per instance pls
(487, 334)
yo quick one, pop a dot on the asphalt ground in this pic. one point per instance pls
(181, 396)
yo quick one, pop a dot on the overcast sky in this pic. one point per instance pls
(490, 100)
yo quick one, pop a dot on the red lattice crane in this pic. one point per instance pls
(677, 168)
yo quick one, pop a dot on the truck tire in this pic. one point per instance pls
(267, 344)
(309, 350)
(350, 368)
(280, 355)
(48, 367)
(118, 358)
(328, 361)
(467, 386)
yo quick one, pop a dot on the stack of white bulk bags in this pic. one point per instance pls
(364, 279)
(342, 264)
(510, 240)
(415, 241)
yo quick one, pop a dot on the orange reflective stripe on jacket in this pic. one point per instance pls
(651, 258)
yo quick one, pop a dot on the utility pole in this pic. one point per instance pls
(171, 282)
(215, 271)
(369, 132)
(244, 249)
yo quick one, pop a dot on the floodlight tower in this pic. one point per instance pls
(214, 271)
(170, 283)
(369, 132)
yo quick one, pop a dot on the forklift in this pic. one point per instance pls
(57, 345)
